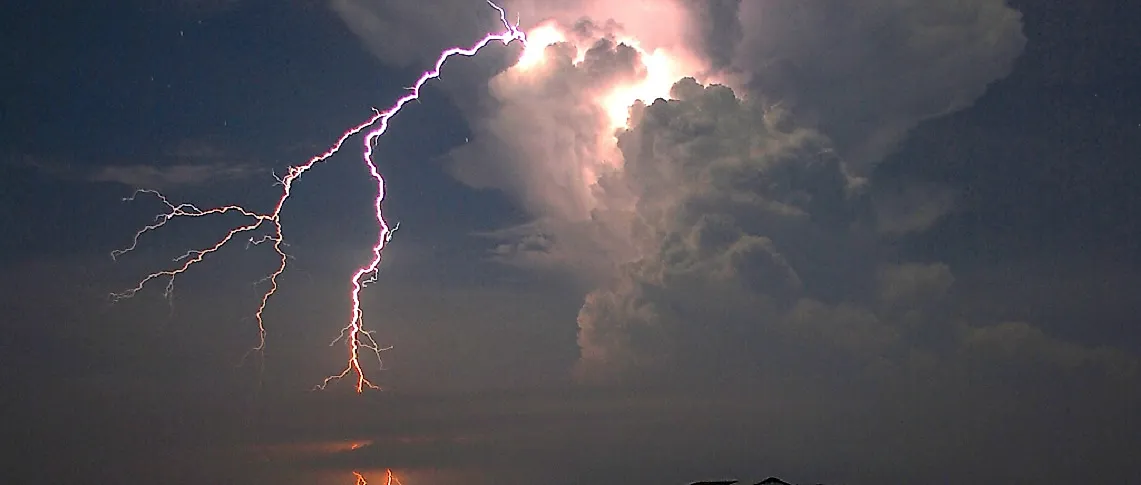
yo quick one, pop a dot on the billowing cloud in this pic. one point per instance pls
(762, 262)
(550, 141)
(734, 202)
(736, 224)
(865, 74)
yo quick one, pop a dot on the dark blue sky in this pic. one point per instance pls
(123, 85)
(1045, 228)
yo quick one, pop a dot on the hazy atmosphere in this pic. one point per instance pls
(650, 241)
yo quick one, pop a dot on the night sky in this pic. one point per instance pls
(926, 269)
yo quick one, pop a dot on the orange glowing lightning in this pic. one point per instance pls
(390, 479)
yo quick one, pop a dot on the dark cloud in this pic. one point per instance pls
(401, 32)
(910, 208)
(722, 188)
(412, 32)
(867, 74)
(716, 28)
(744, 221)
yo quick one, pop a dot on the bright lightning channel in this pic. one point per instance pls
(390, 478)
(354, 334)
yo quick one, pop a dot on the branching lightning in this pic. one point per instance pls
(389, 478)
(354, 334)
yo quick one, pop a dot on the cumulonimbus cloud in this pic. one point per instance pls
(745, 204)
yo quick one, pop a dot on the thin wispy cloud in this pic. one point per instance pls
(185, 165)
(151, 176)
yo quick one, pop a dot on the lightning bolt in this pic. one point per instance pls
(390, 479)
(356, 338)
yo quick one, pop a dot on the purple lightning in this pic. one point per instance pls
(354, 334)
